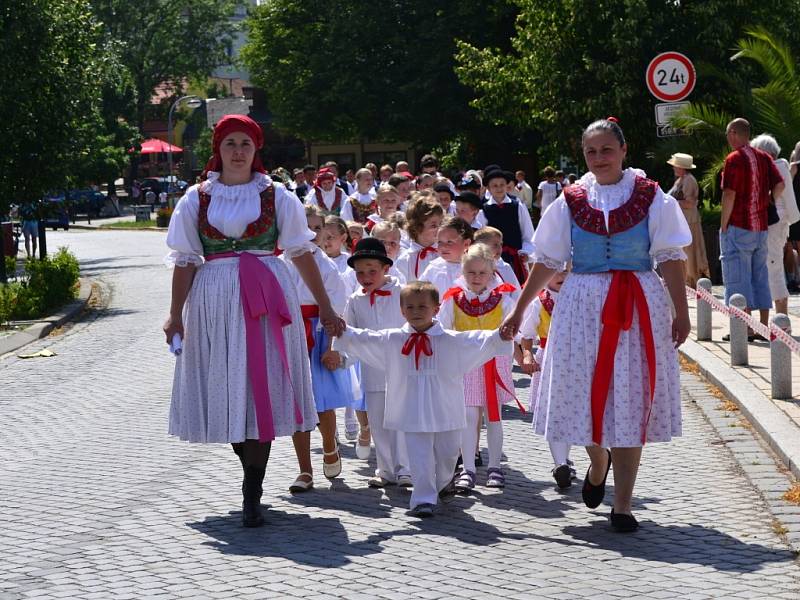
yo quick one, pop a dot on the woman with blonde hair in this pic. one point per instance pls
(686, 191)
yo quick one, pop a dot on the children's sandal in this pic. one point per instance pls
(363, 451)
(299, 486)
(465, 482)
(495, 478)
(334, 469)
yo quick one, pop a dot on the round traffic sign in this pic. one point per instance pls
(670, 76)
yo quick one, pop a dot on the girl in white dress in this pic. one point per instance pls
(424, 217)
(243, 376)
(610, 377)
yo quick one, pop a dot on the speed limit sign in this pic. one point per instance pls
(670, 76)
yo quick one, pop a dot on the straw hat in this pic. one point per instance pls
(682, 161)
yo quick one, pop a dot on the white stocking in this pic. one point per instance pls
(469, 437)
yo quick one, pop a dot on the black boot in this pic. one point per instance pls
(251, 497)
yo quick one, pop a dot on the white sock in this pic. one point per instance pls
(560, 452)
(469, 437)
(494, 438)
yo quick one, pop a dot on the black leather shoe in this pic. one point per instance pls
(251, 497)
(593, 494)
(623, 523)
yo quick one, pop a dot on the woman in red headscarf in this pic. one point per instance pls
(243, 375)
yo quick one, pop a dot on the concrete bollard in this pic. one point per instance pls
(780, 361)
(703, 312)
(738, 329)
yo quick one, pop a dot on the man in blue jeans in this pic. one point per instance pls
(749, 182)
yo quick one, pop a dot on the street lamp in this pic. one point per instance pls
(192, 102)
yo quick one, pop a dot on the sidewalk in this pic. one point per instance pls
(749, 386)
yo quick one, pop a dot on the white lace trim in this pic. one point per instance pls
(611, 196)
(214, 187)
(550, 263)
(668, 254)
(182, 259)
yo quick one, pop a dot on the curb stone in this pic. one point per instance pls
(44, 326)
(756, 460)
(778, 430)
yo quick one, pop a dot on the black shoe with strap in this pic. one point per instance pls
(622, 523)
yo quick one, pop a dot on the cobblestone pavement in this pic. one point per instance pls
(98, 502)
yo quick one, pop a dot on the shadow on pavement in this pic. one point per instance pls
(693, 544)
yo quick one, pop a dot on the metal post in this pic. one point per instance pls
(780, 361)
(703, 312)
(738, 329)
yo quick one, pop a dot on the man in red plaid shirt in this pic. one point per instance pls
(750, 180)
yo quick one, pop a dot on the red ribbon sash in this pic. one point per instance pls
(492, 381)
(309, 311)
(624, 294)
(374, 293)
(420, 343)
(517, 263)
(422, 255)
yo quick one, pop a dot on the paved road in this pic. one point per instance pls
(98, 502)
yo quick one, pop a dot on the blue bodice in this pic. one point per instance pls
(624, 245)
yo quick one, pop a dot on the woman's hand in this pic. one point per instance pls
(510, 326)
(331, 360)
(681, 326)
(173, 326)
(334, 324)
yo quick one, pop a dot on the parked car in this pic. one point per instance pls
(55, 211)
(85, 202)
(157, 184)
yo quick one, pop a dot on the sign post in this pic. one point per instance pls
(670, 77)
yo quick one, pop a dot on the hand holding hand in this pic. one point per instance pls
(510, 326)
(331, 360)
(334, 324)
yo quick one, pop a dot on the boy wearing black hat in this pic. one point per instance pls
(511, 217)
(468, 207)
(376, 305)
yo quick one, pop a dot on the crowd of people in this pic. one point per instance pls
(404, 299)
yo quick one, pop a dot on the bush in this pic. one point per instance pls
(47, 285)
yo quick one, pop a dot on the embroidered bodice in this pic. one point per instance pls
(261, 234)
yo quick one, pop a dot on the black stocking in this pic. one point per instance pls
(253, 453)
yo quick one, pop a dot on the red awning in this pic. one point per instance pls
(156, 146)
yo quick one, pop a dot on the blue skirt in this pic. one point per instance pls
(332, 389)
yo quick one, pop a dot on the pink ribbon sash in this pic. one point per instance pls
(262, 296)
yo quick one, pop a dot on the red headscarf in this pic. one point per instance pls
(324, 174)
(230, 124)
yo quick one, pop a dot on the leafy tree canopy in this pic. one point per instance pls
(369, 70)
(573, 61)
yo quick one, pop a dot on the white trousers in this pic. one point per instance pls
(432, 458)
(390, 444)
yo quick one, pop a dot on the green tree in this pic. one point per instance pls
(165, 42)
(51, 63)
(772, 104)
(573, 61)
(362, 70)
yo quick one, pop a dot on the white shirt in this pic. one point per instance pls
(345, 271)
(328, 198)
(383, 314)
(525, 224)
(431, 398)
(347, 210)
(331, 281)
(442, 274)
(525, 193)
(231, 210)
(506, 272)
(550, 191)
(786, 203)
(669, 232)
(409, 266)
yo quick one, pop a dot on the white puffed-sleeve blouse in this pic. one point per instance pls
(232, 209)
(669, 232)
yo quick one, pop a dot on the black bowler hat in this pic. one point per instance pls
(369, 247)
(470, 198)
(495, 172)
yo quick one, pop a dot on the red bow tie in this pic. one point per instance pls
(374, 293)
(420, 343)
(422, 255)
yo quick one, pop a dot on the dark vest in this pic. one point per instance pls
(505, 217)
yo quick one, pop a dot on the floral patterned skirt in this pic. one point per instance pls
(563, 405)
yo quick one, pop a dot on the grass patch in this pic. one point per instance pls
(130, 225)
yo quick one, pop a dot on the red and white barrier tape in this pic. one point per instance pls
(770, 332)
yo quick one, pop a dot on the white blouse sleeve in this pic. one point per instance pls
(347, 210)
(530, 321)
(183, 238)
(294, 236)
(445, 315)
(553, 240)
(669, 232)
(526, 228)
